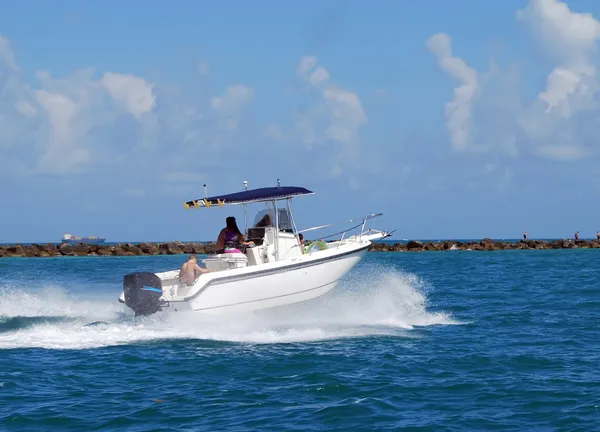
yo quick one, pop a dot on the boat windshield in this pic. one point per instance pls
(285, 223)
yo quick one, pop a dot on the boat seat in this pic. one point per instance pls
(226, 261)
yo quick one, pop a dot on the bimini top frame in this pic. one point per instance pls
(249, 196)
(266, 194)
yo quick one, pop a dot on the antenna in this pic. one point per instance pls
(246, 210)
(205, 194)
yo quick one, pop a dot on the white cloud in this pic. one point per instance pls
(61, 112)
(570, 38)
(133, 93)
(26, 108)
(458, 112)
(487, 113)
(319, 75)
(235, 98)
(307, 63)
(567, 88)
(569, 35)
(337, 116)
(310, 71)
(73, 108)
(79, 123)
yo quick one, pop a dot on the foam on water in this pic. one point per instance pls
(378, 302)
(52, 301)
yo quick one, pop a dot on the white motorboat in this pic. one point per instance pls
(276, 270)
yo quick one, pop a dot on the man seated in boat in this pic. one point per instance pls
(230, 238)
(190, 270)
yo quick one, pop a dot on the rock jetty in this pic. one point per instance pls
(121, 249)
(486, 244)
(176, 248)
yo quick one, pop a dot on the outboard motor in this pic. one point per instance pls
(142, 293)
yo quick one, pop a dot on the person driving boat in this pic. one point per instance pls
(230, 237)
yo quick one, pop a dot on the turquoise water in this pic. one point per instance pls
(456, 341)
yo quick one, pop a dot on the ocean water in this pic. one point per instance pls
(453, 341)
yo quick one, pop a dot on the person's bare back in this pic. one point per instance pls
(190, 270)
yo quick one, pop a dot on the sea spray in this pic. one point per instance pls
(377, 301)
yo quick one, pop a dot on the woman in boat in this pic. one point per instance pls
(230, 237)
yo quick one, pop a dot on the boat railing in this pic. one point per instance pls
(362, 223)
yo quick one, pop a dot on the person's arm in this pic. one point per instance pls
(243, 240)
(201, 269)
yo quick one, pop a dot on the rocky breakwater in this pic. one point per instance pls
(177, 248)
(122, 249)
(486, 244)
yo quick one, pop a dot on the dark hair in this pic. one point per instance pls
(230, 222)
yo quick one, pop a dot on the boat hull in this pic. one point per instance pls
(275, 287)
(263, 287)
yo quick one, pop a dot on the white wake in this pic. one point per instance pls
(375, 303)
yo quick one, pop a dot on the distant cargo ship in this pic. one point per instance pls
(70, 239)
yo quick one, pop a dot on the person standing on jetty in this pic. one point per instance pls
(597, 235)
(577, 236)
(525, 235)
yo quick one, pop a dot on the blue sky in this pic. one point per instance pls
(455, 119)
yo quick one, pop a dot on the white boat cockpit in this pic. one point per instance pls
(269, 244)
